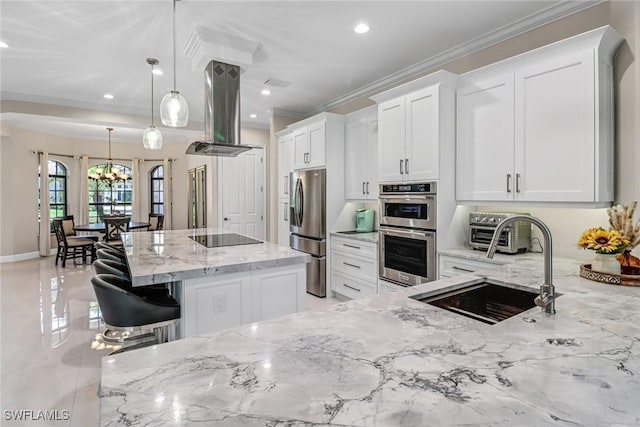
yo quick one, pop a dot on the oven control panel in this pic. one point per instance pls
(414, 188)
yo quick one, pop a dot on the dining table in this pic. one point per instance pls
(100, 227)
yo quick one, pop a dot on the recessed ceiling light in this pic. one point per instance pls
(361, 28)
(158, 72)
(266, 92)
(3, 44)
(253, 116)
(107, 96)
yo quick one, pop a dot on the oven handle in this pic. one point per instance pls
(396, 198)
(423, 235)
(485, 227)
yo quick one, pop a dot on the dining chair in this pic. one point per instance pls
(78, 247)
(114, 227)
(68, 224)
(156, 222)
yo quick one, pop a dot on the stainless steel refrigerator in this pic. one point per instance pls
(307, 205)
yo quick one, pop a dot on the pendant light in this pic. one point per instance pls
(152, 138)
(174, 110)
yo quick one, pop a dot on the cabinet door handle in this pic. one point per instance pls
(508, 183)
(461, 269)
(351, 287)
(363, 187)
(351, 265)
(406, 166)
(367, 187)
(517, 183)
(401, 170)
(351, 246)
(286, 217)
(286, 184)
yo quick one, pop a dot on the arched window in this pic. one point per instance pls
(157, 190)
(57, 190)
(109, 198)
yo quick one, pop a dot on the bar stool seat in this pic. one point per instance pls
(125, 311)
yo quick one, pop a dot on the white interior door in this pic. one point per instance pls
(242, 182)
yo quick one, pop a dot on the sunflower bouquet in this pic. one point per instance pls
(603, 241)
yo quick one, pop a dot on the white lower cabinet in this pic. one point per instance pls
(350, 286)
(450, 266)
(218, 302)
(384, 287)
(354, 267)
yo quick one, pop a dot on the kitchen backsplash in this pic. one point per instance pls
(566, 226)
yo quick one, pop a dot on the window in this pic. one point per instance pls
(109, 198)
(57, 190)
(157, 190)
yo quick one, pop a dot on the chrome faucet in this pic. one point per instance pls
(547, 298)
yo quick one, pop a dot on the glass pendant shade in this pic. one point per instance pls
(174, 110)
(152, 138)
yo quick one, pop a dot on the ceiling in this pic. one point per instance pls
(70, 53)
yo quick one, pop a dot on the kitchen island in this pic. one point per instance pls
(394, 361)
(218, 287)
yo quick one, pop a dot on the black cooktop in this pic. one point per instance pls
(227, 239)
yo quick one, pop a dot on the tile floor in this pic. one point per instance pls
(48, 322)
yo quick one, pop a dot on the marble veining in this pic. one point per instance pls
(170, 255)
(392, 361)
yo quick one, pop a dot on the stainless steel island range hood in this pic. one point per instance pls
(221, 112)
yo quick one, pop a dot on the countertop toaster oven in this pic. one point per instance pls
(515, 238)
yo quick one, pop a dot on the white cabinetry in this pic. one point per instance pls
(283, 222)
(539, 127)
(416, 122)
(450, 266)
(354, 267)
(310, 139)
(285, 167)
(361, 155)
(285, 163)
(219, 302)
(384, 287)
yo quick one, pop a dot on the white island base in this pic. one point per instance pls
(212, 303)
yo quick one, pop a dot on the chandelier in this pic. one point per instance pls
(110, 174)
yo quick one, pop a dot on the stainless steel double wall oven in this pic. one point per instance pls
(407, 233)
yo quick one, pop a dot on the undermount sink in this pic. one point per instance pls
(482, 299)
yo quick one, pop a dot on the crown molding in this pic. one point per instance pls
(531, 22)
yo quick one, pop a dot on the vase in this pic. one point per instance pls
(606, 263)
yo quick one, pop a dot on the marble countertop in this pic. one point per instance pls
(170, 255)
(390, 360)
(498, 258)
(365, 237)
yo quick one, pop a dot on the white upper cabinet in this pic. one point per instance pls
(309, 142)
(538, 128)
(361, 155)
(484, 155)
(285, 163)
(555, 133)
(414, 120)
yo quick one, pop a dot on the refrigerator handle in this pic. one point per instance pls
(299, 202)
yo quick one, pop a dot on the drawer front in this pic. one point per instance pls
(355, 247)
(354, 265)
(351, 287)
(452, 266)
(384, 287)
